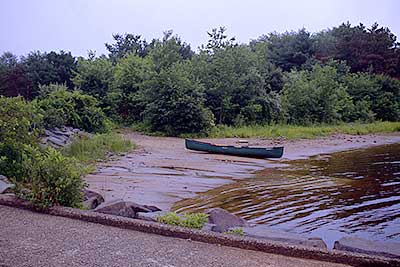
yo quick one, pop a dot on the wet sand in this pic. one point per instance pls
(161, 171)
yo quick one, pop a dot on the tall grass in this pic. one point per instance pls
(89, 150)
(307, 132)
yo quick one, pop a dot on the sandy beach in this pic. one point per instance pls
(161, 171)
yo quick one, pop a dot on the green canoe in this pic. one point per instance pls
(243, 151)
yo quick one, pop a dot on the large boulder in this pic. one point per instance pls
(91, 199)
(360, 245)
(5, 185)
(224, 220)
(122, 208)
(265, 232)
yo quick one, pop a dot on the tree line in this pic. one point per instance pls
(344, 74)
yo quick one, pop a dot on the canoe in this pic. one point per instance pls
(242, 151)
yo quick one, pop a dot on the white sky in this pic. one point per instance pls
(82, 25)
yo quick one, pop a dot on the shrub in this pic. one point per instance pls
(177, 104)
(20, 126)
(315, 96)
(65, 108)
(236, 231)
(53, 180)
(190, 220)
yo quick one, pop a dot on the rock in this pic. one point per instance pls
(5, 185)
(121, 208)
(150, 216)
(56, 141)
(360, 245)
(152, 208)
(224, 220)
(265, 232)
(208, 227)
(91, 199)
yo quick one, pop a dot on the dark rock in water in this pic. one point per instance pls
(91, 199)
(265, 232)
(121, 208)
(360, 245)
(150, 216)
(224, 220)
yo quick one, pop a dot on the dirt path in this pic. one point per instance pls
(161, 171)
(35, 239)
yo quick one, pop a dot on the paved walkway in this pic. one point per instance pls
(33, 239)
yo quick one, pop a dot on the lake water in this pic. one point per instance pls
(347, 193)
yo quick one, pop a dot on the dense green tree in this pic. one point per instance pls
(290, 49)
(168, 51)
(94, 76)
(272, 75)
(176, 103)
(126, 44)
(13, 79)
(133, 75)
(316, 96)
(386, 106)
(366, 50)
(236, 92)
(46, 68)
(218, 40)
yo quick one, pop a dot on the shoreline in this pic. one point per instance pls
(162, 172)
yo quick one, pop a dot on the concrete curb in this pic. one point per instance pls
(354, 259)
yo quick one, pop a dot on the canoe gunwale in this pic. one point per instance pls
(243, 151)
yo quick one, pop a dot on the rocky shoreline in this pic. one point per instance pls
(221, 221)
(244, 242)
(181, 174)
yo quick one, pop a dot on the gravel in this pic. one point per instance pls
(35, 239)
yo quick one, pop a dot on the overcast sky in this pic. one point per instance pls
(82, 25)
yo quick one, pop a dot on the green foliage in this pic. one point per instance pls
(46, 68)
(65, 108)
(90, 149)
(176, 103)
(54, 180)
(289, 50)
(94, 76)
(218, 40)
(190, 220)
(126, 44)
(344, 74)
(315, 96)
(298, 132)
(132, 77)
(168, 51)
(20, 126)
(236, 231)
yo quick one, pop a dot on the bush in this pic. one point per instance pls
(316, 96)
(53, 180)
(236, 231)
(20, 126)
(65, 108)
(176, 104)
(190, 220)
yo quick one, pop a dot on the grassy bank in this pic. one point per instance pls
(308, 132)
(89, 150)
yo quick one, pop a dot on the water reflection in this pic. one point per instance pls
(355, 192)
